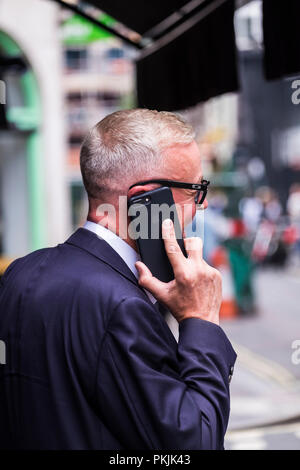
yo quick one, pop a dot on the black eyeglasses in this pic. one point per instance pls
(201, 188)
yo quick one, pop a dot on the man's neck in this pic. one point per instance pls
(105, 223)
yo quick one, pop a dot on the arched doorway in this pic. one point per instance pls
(22, 223)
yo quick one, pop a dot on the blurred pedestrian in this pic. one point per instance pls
(293, 209)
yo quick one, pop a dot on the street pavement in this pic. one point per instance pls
(265, 388)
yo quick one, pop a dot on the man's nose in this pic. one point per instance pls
(205, 204)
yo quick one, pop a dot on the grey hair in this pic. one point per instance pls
(128, 144)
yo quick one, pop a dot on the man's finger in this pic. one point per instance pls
(194, 248)
(175, 255)
(148, 281)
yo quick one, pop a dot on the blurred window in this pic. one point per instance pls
(76, 59)
(115, 53)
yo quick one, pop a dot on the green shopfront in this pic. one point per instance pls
(22, 221)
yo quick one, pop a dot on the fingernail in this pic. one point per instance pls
(167, 223)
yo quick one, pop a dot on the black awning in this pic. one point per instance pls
(281, 37)
(197, 65)
(139, 15)
(191, 55)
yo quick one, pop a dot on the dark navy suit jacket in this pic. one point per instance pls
(92, 364)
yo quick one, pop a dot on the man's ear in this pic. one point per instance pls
(140, 189)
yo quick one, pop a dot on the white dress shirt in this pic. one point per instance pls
(130, 257)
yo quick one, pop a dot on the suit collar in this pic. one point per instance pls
(90, 242)
(127, 253)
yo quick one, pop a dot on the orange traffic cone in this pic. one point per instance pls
(220, 261)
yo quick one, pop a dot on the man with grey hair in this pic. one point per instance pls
(91, 361)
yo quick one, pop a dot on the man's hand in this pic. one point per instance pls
(196, 290)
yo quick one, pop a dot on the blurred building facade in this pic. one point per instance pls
(98, 79)
(72, 75)
(75, 74)
(269, 125)
(35, 209)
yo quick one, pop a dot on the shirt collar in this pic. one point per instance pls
(127, 253)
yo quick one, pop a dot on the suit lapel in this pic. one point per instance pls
(90, 242)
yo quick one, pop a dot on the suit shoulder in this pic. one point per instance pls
(30, 260)
(95, 275)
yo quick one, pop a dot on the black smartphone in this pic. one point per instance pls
(147, 212)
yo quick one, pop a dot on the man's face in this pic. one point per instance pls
(183, 163)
